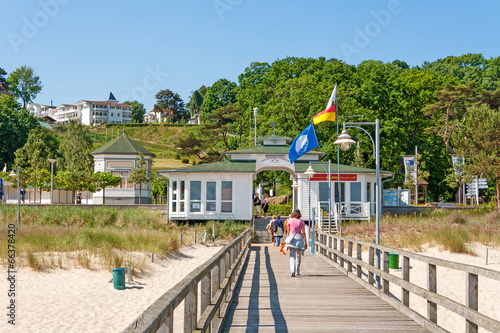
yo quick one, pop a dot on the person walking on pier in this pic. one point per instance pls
(296, 241)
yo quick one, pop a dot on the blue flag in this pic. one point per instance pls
(303, 143)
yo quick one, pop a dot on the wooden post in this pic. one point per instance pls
(342, 251)
(190, 309)
(359, 256)
(206, 292)
(432, 286)
(330, 247)
(215, 286)
(195, 236)
(349, 253)
(371, 262)
(472, 300)
(385, 283)
(405, 294)
(335, 250)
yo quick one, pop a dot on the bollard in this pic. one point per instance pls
(195, 236)
(205, 236)
(486, 256)
(129, 273)
(181, 238)
(152, 256)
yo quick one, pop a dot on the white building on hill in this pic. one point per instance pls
(86, 112)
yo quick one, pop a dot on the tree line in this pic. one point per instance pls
(448, 106)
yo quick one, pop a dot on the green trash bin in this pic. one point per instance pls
(119, 278)
(394, 260)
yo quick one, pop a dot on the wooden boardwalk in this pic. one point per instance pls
(321, 299)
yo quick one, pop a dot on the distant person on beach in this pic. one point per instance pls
(265, 204)
(256, 204)
(296, 241)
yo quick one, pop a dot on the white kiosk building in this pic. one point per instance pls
(223, 190)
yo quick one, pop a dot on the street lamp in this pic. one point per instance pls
(52, 161)
(295, 186)
(12, 174)
(255, 120)
(309, 173)
(329, 190)
(344, 141)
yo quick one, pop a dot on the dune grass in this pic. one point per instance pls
(453, 231)
(99, 237)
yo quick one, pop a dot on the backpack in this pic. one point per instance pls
(277, 223)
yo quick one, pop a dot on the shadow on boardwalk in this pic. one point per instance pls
(322, 299)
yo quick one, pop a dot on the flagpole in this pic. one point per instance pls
(339, 218)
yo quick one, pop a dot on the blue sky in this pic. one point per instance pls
(85, 49)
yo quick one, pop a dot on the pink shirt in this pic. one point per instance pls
(295, 225)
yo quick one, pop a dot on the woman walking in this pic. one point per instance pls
(297, 233)
(265, 204)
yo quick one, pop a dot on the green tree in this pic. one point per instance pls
(171, 104)
(24, 84)
(15, 126)
(101, 180)
(194, 143)
(196, 100)
(3, 81)
(75, 147)
(220, 94)
(138, 111)
(159, 188)
(139, 174)
(478, 140)
(220, 122)
(34, 155)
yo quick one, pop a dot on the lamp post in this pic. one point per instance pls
(309, 173)
(329, 191)
(255, 122)
(12, 174)
(52, 161)
(344, 141)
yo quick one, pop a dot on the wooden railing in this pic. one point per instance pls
(339, 252)
(216, 280)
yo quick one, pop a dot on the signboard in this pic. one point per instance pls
(391, 197)
(323, 177)
(397, 197)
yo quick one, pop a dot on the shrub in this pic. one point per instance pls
(185, 160)
(177, 157)
(283, 210)
(457, 218)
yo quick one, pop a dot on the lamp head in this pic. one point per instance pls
(344, 141)
(309, 172)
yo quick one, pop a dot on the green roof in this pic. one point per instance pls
(123, 145)
(270, 150)
(249, 167)
(224, 166)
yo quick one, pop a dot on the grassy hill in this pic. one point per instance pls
(159, 139)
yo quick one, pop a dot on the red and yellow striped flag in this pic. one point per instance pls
(329, 113)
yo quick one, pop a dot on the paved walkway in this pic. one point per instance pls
(322, 299)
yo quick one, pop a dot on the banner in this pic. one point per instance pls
(303, 143)
(410, 162)
(457, 164)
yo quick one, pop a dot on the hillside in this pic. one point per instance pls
(159, 139)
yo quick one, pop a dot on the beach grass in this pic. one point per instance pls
(100, 237)
(453, 231)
